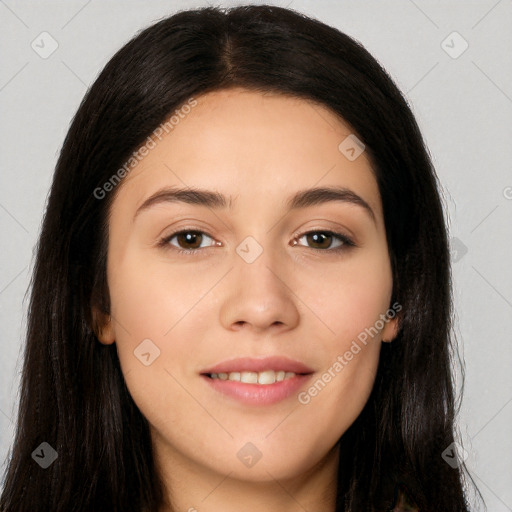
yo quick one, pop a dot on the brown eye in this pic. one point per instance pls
(326, 240)
(188, 240)
(319, 240)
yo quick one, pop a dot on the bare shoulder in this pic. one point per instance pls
(403, 501)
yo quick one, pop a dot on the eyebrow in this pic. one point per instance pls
(215, 200)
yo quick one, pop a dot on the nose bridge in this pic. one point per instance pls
(258, 295)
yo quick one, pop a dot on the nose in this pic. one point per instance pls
(259, 297)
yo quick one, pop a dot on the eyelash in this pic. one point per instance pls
(346, 244)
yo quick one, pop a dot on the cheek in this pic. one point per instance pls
(151, 300)
(150, 296)
(158, 315)
(349, 310)
(349, 300)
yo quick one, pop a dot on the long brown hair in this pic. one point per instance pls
(73, 394)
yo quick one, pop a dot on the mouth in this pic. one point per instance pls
(257, 381)
(264, 378)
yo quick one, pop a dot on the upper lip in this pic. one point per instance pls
(248, 364)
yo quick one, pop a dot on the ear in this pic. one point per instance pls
(103, 327)
(390, 330)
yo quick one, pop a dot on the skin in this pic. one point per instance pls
(200, 309)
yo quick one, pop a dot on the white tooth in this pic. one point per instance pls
(213, 375)
(249, 377)
(280, 376)
(267, 377)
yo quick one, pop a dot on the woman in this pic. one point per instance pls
(241, 297)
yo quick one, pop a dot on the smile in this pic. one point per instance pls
(257, 381)
(266, 377)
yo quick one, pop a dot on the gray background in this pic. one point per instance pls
(463, 106)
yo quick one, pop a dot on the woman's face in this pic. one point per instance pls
(266, 298)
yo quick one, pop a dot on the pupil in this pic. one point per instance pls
(318, 238)
(191, 237)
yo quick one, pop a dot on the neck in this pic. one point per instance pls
(198, 489)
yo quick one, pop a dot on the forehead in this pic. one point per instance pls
(236, 122)
(255, 144)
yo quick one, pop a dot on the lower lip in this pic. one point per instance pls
(258, 394)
